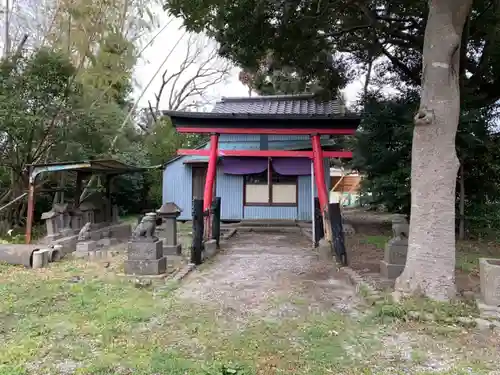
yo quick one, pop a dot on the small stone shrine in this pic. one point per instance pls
(145, 250)
(396, 249)
(169, 212)
(57, 221)
(489, 274)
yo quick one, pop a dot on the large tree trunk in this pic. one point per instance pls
(461, 204)
(430, 265)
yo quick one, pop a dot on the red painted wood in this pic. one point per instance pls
(319, 172)
(185, 129)
(212, 168)
(267, 153)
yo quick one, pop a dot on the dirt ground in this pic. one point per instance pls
(250, 278)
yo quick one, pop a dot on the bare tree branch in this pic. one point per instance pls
(200, 70)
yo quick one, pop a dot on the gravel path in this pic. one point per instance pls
(270, 276)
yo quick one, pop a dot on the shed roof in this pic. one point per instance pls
(108, 166)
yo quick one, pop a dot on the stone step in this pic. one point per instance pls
(273, 229)
(267, 223)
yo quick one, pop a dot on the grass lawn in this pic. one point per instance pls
(468, 252)
(77, 317)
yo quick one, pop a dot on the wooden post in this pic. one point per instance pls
(313, 208)
(338, 233)
(197, 243)
(78, 188)
(209, 182)
(31, 205)
(216, 221)
(319, 233)
(108, 215)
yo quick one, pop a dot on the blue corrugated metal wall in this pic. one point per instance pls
(230, 189)
(275, 212)
(305, 202)
(177, 184)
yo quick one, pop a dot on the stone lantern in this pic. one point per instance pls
(169, 212)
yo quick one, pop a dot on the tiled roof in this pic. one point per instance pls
(304, 104)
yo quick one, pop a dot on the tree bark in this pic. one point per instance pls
(461, 204)
(430, 264)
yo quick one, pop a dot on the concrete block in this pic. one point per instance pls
(391, 271)
(325, 250)
(95, 236)
(105, 242)
(55, 253)
(210, 248)
(146, 266)
(145, 250)
(99, 254)
(174, 259)
(40, 258)
(92, 255)
(172, 249)
(86, 246)
(489, 275)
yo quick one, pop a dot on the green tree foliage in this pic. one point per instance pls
(383, 150)
(328, 41)
(45, 116)
(383, 154)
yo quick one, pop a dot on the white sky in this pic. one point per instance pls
(154, 55)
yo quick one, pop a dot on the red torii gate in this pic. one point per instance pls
(266, 124)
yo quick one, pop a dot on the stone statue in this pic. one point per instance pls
(146, 228)
(400, 227)
(84, 234)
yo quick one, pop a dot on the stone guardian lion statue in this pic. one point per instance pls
(84, 233)
(400, 227)
(146, 228)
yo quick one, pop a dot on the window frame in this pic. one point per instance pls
(270, 183)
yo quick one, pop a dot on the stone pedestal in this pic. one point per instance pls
(394, 260)
(169, 212)
(489, 274)
(145, 258)
(210, 247)
(170, 245)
